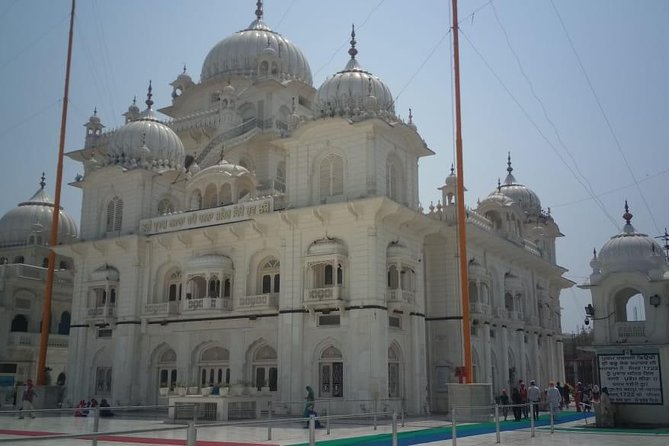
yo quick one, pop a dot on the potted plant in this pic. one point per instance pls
(193, 389)
(180, 389)
(206, 391)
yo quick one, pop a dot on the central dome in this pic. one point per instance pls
(525, 197)
(239, 54)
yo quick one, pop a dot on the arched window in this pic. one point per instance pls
(19, 324)
(265, 368)
(280, 183)
(226, 194)
(495, 219)
(331, 171)
(196, 200)
(165, 206)
(508, 301)
(485, 293)
(62, 265)
(210, 197)
(214, 366)
(114, 214)
(408, 279)
(394, 373)
(227, 288)
(393, 278)
(19, 259)
(630, 306)
(64, 324)
(324, 275)
(174, 286)
(331, 374)
(214, 286)
(473, 292)
(264, 68)
(196, 288)
(269, 276)
(167, 369)
(45, 262)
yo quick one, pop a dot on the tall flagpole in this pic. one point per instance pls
(460, 202)
(53, 241)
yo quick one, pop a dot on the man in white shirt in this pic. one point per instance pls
(554, 399)
(534, 395)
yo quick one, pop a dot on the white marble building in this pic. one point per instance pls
(630, 309)
(24, 249)
(270, 232)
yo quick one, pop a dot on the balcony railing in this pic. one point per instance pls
(104, 311)
(631, 329)
(501, 313)
(480, 308)
(401, 296)
(515, 315)
(208, 303)
(33, 340)
(259, 301)
(327, 294)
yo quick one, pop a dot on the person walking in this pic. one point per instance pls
(522, 388)
(534, 396)
(515, 400)
(27, 399)
(504, 401)
(554, 399)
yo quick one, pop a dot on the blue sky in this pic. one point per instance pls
(508, 50)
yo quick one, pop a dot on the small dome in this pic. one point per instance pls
(327, 246)
(130, 142)
(222, 168)
(237, 55)
(524, 196)
(33, 218)
(354, 91)
(630, 251)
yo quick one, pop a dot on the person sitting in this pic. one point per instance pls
(80, 412)
(104, 412)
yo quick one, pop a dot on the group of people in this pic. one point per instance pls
(84, 407)
(524, 397)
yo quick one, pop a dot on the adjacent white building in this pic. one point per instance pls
(24, 247)
(630, 309)
(270, 232)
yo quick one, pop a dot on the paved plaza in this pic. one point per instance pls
(571, 429)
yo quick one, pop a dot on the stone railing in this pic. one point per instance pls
(480, 308)
(401, 296)
(327, 294)
(33, 340)
(533, 320)
(516, 315)
(631, 329)
(207, 303)
(259, 301)
(104, 311)
(501, 313)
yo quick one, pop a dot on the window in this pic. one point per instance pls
(331, 374)
(19, 259)
(45, 262)
(226, 194)
(104, 333)
(394, 181)
(214, 366)
(394, 377)
(324, 275)
(331, 171)
(64, 324)
(270, 279)
(62, 265)
(629, 306)
(174, 286)
(167, 369)
(165, 206)
(103, 380)
(114, 214)
(394, 321)
(214, 286)
(265, 372)
(328, 319)
(210, 197)
(19, 323)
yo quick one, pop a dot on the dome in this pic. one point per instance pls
(33, 218)
(237, 55)
(146, 140)
(525, 197)
(223, 168)
(354, 91)
(630, 251)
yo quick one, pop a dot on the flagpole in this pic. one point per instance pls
(460, 202)
(53, 240)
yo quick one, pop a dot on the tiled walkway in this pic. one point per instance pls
(572, 430)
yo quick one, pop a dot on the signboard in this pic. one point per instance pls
(631, 378)
(206, 217)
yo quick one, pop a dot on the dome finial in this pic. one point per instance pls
(510, 179)
(259, 9)
(149, 95)
(95, 111)
(42, 182)
(508, 163)
(410, 116)
(499, 184)
(627, 215)
(452, 170)
(594, 253)
(134, 100)
(352, 51)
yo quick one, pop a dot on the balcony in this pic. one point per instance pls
(515, 315)
(479, 308)
(33, 340)
(207, 303)
(269, 301)
(501, 313)
(161, 308)
(400, 296)
(632, 330)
